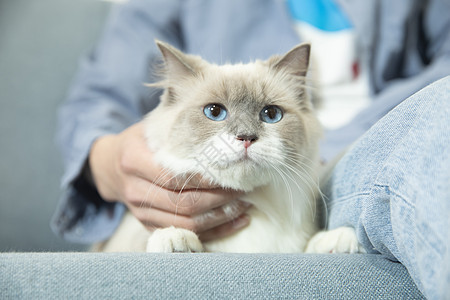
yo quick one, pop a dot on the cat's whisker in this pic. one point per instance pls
(308, 181)
(156, 184)
(153, 185)
(320, 196)
(301, 158)
(164, 178)
(300, 188)
(315, 181)
(292, 152)
(304, 176)
(285, 177)
(292, 158)
(290, 195)
(191, 176)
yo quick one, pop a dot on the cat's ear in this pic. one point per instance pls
(296, 61)
(177, 64)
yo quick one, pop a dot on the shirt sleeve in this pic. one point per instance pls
(107, 96)
(404, 60)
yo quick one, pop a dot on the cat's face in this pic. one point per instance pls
(237, 125)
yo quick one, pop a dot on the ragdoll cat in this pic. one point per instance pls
(258, 121)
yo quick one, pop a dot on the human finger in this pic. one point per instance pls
(142, 193)
(154, 218)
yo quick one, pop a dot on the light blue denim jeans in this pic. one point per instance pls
(392, 186)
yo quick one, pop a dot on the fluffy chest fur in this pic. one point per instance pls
(277, 222)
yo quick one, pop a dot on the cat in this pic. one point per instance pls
(260, 122)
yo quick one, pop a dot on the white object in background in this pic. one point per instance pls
(337, 72)
(341, 102)
(333, 53)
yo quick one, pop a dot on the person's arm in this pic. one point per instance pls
(108, 96)
(422, 61)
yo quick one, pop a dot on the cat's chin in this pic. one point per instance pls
(244, 175)
(238, 177)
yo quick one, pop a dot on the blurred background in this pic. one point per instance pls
(40, 45)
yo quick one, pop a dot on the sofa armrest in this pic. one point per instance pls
(201, 276)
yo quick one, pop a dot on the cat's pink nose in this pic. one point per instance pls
(247, 139)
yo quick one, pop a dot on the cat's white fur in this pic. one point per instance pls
(283, 213)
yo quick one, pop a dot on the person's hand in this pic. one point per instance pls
(123, 170)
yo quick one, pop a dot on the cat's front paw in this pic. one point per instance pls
(173, 239)
(339, 240)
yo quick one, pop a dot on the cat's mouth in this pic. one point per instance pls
(230, 154)
(241, 159)
(244, 160)
(239, 169)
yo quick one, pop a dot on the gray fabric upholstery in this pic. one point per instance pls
(202, 276)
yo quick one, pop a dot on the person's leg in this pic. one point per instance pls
(393, 187)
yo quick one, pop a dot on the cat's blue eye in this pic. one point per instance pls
(215, 112)
(271, 114)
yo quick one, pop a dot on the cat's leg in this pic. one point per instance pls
(339, 240)
(173, 239)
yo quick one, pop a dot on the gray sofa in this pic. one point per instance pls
(202, 276)
(40, 43)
